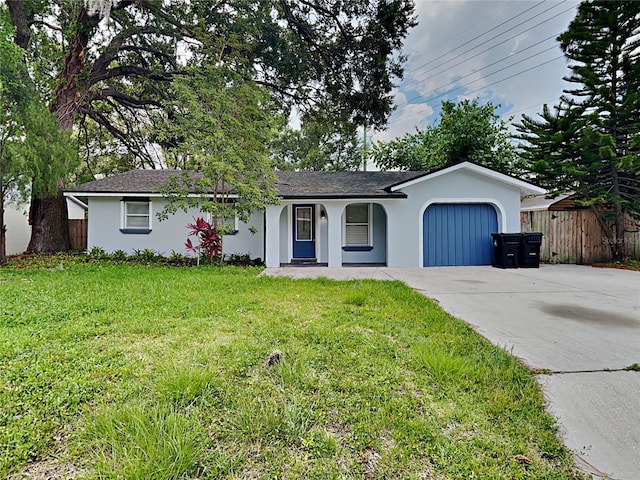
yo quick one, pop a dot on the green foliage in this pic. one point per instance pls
(98, 253)
(126, 371)
(145, 256)
(112, 71)
(322, 143)
(466, 131)
(14, 99)
(409, 152)
(221, 126)
(242, 260)
(30, 114)
(34, 154)
(49, 153)
(307, 55)
(13, 76)
(119, 255)
(589, 145)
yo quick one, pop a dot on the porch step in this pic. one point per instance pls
(304, 261)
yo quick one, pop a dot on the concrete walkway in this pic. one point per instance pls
(581, 323)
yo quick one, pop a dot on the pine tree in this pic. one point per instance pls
(590, 145)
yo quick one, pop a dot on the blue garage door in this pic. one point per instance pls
(458, 234)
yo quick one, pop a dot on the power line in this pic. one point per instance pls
(457, 34)
(417, 76)
(482, 34)
(414, 80)
(499, 81)
(408, 100)
(487, 41)
(546, 102)
(486, 86)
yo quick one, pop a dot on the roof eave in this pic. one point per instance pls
(71, 193)
(526, 188)
(394, 195)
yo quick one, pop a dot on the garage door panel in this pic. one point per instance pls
(458, 234)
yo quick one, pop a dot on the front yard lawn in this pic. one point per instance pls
(150, 372)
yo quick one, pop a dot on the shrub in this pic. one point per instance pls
(98, 252)
(210, 240)
(146, 255)
(119, 256)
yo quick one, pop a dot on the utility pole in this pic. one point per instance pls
(364, 148)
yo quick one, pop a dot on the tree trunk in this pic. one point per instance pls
(20, 21)
(49, 216)
(618, 248)
(49, 225)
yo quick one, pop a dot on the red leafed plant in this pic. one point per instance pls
(210, 241)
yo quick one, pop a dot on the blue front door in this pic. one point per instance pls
(458, 234)
(304, 242)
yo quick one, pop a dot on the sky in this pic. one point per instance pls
(500, 51)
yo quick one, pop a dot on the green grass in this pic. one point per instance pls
(146, 372)
(626, 265)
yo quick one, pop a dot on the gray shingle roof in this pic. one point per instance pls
(340, 184)
(134, 181)
(289, 185)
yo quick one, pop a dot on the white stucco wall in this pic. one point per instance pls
(105, 217)
(18, 229)
(285, 236)
(76, 212)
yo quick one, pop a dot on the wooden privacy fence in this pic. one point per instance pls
(574, 236)
(78, 234)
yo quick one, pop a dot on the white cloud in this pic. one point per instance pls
(404, 119)
(453, 47)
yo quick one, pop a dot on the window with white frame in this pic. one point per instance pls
(357, 225)
(228, 224)
(136, 215)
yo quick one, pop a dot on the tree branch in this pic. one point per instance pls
(327, 13)
(56, 28)
(130, 70)
(123, 98)
(101, 119)
(19, 19)
(110, 53)
(167, 18)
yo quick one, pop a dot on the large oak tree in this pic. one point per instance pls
(108, 62)
(30, 141)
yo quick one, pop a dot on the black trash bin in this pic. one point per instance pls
(530, 249)
(505, 250)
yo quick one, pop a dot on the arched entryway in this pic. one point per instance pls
(364, 234)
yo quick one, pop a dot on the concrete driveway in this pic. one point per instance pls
(580, 323)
